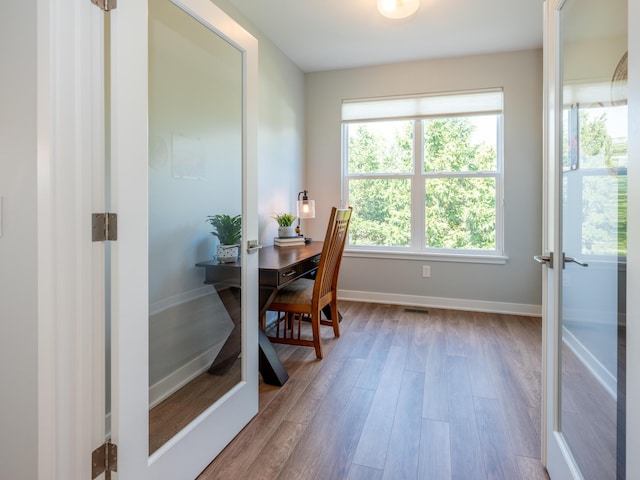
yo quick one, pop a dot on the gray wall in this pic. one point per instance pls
(520, 74)
(18, 261)
(281, 130)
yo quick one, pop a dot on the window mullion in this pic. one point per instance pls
(417, 188)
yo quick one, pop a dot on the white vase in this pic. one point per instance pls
(287, 232)
(227, 253)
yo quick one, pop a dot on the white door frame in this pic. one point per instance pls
(552, 452)
(68, 138)
(633, 245)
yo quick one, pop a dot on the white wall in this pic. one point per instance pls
(18, 260)
(516, 284)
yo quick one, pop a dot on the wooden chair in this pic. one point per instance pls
(304, 298)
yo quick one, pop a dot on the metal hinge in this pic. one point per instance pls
(106, 5)
(104, 459)
(104, 226)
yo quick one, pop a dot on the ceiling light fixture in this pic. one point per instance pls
(397, 9)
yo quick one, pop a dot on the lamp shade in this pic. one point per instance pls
(306, 209)
(397, 9)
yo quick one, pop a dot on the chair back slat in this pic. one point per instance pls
(330, 259)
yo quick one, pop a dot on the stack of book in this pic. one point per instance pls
(288, 242)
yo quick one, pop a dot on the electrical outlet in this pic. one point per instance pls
(426, 271)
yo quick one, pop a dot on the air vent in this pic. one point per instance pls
(416, 310)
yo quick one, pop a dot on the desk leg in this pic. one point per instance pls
(230, 297)
(270, 366)
(327, 313)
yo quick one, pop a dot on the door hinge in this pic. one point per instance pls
(104, 226)
(106, 5)
(104, 459)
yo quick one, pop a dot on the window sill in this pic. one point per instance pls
(432, 257)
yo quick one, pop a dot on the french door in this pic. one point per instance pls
(181, 89)
(585, 239)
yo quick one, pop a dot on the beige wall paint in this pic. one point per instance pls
(520, 74)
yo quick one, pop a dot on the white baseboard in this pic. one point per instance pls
(437, 302)
(180, 377)
(591, 363)
(180, 298)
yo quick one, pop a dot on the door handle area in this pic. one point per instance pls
(545, 259)
(573, 260)
(253, 246)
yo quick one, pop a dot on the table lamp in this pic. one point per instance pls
(305, 209)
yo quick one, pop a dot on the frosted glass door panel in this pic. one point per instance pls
(195, 171)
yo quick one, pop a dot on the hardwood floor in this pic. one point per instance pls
(402, 394)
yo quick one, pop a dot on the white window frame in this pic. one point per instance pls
(417, 108)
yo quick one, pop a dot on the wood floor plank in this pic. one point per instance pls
(340, 448)
(531, 469)
(377, 359)
(522, 431)
(372, 448)
(404, 442)
(457, 331)
(232, 461)
(466, 453)
(404, 331)
(343, 408)
(318, 387)
(269, 462)
(360, 472)
(435, 396)
(499, 458)
(482, 383)
(416, 357)
(369, 324)
(527, 333)
(435, 455)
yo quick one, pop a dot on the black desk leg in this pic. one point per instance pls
(327, 312)
(270, 366)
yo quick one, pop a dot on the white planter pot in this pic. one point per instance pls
(287, 232)
(227, 253)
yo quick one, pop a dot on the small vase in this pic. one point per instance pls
(287, 232)
(227, 253)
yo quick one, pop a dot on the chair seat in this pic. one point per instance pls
(299, 291)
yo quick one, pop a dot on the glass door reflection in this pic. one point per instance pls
(195, 170)
(594, 205)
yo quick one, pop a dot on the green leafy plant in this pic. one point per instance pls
(284, 219)
(228, 229)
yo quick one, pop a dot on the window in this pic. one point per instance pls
(424, 173)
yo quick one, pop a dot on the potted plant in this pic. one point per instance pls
(285, 224)
(228, 229)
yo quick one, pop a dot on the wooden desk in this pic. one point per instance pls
(277, 267)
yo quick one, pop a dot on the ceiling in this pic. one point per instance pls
(322, 35)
